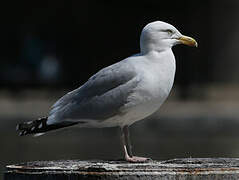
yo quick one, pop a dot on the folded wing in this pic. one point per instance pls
(100, 98)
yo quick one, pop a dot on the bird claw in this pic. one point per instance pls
(136, 159)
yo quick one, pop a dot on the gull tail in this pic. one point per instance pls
(39, 127)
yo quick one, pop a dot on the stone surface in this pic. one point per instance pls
(180, 169)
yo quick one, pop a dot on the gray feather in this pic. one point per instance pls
(98, 98)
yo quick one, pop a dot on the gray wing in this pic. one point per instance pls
(100, 98)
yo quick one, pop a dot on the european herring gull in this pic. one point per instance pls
(123, 93)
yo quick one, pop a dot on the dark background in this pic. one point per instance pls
(50, 47)
(85, 36)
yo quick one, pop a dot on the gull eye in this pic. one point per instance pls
(169, 31)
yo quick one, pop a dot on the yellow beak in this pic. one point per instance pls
(188, 41)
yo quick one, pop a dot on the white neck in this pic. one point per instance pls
(148, 44)
(148, 48)
(163, 60)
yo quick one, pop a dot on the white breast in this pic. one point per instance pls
(156, 80)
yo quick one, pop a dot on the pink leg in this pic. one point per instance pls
(127, 147)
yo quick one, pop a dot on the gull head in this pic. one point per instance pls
(160, 36)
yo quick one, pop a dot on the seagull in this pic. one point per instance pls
(120, 94)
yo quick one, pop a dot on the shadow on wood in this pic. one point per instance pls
(180, 169)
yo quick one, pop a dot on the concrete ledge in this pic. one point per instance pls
(180, 169)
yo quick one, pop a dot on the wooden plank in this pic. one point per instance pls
(180, 169)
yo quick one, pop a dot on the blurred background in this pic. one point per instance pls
(48, 48)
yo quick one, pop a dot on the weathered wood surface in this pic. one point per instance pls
(175, 169)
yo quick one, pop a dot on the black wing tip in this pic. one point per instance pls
(23, 128)
(30, 127)
(40, 126)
